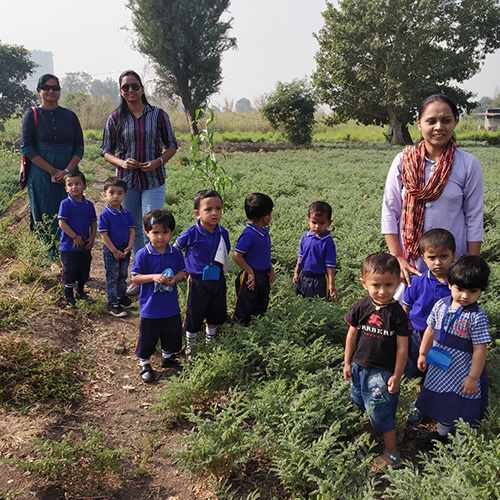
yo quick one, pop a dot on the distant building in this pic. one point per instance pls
(45, 61)
(492, 119)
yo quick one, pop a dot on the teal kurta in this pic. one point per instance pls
(56, 138)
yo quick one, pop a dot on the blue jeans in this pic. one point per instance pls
(116, 275)
(369, 391)
(140, 202)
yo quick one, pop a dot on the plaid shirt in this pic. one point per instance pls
(143, 139)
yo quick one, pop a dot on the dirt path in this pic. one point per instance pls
(115, 399)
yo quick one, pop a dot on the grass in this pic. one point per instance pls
(34, 375)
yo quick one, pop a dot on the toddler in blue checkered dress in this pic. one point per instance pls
(454, 350)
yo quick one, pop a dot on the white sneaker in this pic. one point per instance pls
(134, 289)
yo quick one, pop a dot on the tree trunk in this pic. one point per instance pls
(400, 134)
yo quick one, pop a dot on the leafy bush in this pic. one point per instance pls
(10, 161)
(290, 108)
(29, 376)
(86, 467)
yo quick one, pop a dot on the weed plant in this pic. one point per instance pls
(29, 376)
(87, 467)
(10, 162)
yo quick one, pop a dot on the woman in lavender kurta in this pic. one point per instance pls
(458, 208)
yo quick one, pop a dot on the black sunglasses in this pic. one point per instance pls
(126, 86)
(55, 88)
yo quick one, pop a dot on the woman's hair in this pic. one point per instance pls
(43, 80)
(122, 109)
(469, 272)
(438, 97)
(380, 263)
(162, 217)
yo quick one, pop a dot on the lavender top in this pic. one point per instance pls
(459, 209)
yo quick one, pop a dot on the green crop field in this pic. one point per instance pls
(271, 397)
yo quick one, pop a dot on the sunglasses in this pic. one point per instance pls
(126, 87)
(55, 88)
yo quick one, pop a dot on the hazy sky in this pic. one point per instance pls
(274, 37)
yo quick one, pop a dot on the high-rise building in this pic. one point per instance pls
(45, 61)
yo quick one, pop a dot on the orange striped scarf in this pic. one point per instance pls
(418, 193)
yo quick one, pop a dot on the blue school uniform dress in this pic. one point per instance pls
(424, 292)
(206, 297)
(317, 253)
(254, 244)
(76, 261)
(117, 224)
(160, 312)
(441, 396)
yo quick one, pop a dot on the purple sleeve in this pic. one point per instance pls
(392, 203)
(331, 254)
(183, 240)
(473, 199)
(301, 246)
(409, 299)
(63, 210)
(103, 222)
(137, 264)
(179, 261)
(244, 243)
(131, 222)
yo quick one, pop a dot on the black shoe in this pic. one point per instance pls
(116, 311)
(147, 374)
(171, 362)
(70, 303)
(125, 302)
(84, 296)
(428, 441)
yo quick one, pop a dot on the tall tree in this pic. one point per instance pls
(185, 39)
(15, 66)
(78, 81)
(378, 59)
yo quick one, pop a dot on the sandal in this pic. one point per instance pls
(380, 465)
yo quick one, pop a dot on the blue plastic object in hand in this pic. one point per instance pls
(161, 287)
(439, 358)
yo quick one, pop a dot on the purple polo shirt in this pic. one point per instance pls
(317, 252)
(117, 224)
(78, 216)
(148, 261)
(201, 246)
(254, 244)
(421, 296)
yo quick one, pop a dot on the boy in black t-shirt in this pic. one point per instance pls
(376, 350)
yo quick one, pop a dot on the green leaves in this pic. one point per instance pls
(290, 108)
(378, 60)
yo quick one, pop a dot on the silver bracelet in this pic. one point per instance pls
(161, 160)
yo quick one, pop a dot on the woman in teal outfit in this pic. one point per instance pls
(53, 143)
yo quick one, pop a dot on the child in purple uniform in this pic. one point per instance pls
(78, 223)
(207, 258)
(437, 247)
(158, 267)
(454, 350)
(253, 255)
(117, 229)
(317, 256)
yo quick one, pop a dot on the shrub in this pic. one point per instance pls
(86, 467)
(29, 376)
(290, 108)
